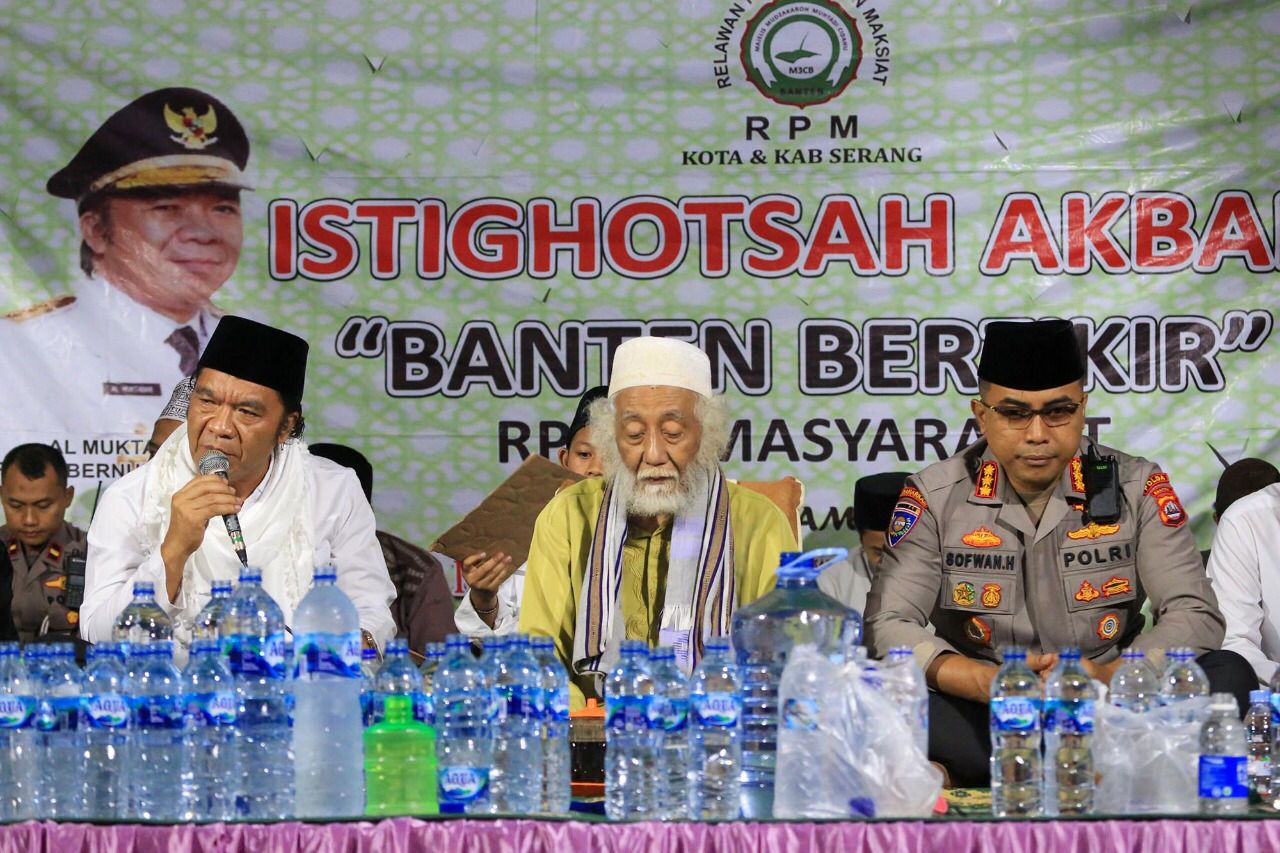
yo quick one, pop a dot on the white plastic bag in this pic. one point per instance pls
(1147, 762)
(843, 750)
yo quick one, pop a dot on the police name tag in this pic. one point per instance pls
(131, 389)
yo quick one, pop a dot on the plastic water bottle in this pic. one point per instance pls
(715, 736)
(400, 763)
(1224, 764)
(517, 748)
(156, 735)
(902, 682)
(630, 758)
(258, 653)
(104, 720)
(764, 632)
(556, 778)
(464, 736)
(142, 619)
(210, 760)
(62, 777)
(209, 619)
(1183, 679)
(1134, 686)
(432, 655)
(370, 701)
(669, 717)
(18, 756)
(1016, 780)
(400, 676)
(327, 724)
(1257, 726)
(1069, 701)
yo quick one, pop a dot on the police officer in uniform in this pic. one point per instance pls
(874, 497)
(1039, 537)
(157, 196)
(46, 554)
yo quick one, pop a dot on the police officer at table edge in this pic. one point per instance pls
(996, 546)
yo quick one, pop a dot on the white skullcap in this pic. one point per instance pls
(642, 362)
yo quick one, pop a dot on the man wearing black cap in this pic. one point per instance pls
(157, 193)
(1016, 540)
(160, 522)
(874, 496)
(492, 603)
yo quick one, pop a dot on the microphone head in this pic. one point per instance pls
(214, 462)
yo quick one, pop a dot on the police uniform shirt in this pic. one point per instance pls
(965, 555)
(40, 582)
(101, 364)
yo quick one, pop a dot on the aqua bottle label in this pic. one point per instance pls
(463, 784)
(106, 711)
(59, 714)
(213, 708)
(1224, 777)
(1015, 714)
(256, 657)
(322, 653)
(1069, 716)
(159, 712)
(558, 704)
(800, 714)
(668, 714)
(721, 710)
(17, 712)
(627, 713)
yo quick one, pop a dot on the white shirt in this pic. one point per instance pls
(1246, 578)
(848, 581)
(505, 621)
(92, 376)
(343, 534)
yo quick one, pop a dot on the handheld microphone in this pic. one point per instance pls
(215, 462)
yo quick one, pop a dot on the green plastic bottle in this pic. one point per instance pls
(400, 763)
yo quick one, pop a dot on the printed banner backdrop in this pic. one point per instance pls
(465, 207)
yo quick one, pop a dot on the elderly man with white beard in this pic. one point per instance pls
(663, 548)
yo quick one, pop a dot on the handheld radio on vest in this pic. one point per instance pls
(1101, 487)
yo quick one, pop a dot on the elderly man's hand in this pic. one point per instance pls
(191, 508)
(484, 574)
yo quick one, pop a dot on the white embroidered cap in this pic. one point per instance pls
(642, 362)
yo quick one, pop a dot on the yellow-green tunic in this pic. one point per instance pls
(561, 551)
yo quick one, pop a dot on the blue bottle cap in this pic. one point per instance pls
(634, 647)
(542, 643)
(1009, 653)
(457, 641)
(397, 647)
(1069, 653)
(220, 588)
(325, 574)
(1132, 654)
(144, 588)
(717, 644)
(250, 574)
(662, 653)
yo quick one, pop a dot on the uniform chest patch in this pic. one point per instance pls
(963, 594)
(991, 595)
(1116, 586)
(906, 513)
(981, 538)
(1108, 626)
(1077, 475)
(977, 630)
(1093, 530)
(1087, 592)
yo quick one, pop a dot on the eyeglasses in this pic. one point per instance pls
(1019, 417)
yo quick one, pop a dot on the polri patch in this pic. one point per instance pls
(1087, 592)
(1160, 490)
(1108, 626)
(906, 513)
(963, 594)
(991, 595)
(988, 479)
(982, 537)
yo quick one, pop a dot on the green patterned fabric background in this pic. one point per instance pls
(555, 99)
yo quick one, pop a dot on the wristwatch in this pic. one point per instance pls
(370, 642)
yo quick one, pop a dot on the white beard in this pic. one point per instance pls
(645, 500)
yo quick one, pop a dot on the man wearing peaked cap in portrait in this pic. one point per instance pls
(1008, 543)
(662, 548)
(157, 194)
(161, 522)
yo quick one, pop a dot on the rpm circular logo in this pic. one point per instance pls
(801, 52)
